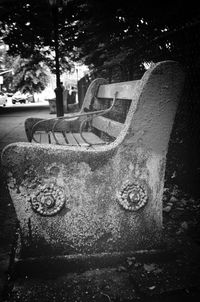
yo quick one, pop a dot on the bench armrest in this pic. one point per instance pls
(72, 124)
(19, 157)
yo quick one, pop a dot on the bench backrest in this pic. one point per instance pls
(142, 104)
(147, 107)
(113, 122)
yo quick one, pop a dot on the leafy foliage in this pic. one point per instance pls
(111, 32)
(27, 27)
(28, 75)
(99, 33)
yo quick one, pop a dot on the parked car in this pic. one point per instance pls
(3, 99)
(22, 98)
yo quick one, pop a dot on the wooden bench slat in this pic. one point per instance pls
(37, 136)
(93, 138)
(79, 139)
(48, 138)
(107, 125)
(41, 137)
(60, 138)
(125, 90)
(70, 139)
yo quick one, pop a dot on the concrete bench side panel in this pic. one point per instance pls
(141, 158)
(88, 223)
(91, 220)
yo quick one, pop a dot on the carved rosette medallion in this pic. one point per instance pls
(133, 196)
(48, 200)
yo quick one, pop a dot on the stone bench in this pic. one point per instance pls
(97, 197)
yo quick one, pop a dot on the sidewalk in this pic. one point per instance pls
(12, 121)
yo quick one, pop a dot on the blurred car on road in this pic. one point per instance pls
(22, 98)
(3, 99)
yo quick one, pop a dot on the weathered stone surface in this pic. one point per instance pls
(92, 220)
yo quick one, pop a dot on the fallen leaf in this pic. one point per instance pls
(157, 271)
(173, 175)
(130, 260)
(152, 287)
(173, 199)
(121, 268)
(184, 225)
(167, 209)
(149, 267)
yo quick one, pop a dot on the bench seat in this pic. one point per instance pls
(65, 138)
(101, 124)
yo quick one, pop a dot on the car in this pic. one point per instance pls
(21, 98)
(3, 99)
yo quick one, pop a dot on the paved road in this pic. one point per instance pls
(12, 121)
